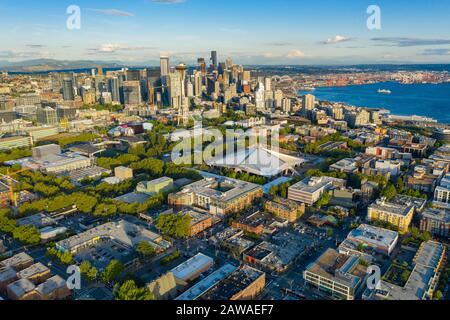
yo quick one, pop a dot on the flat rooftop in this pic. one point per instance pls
(374, 235)
(418, 284)
(221, 189)
(196, 216)
(21, 287)
(313, 184)
(7, 274)
(122, 231)
(93, 171)
(399, 205)
(51, 285)
(17, 259)
(204, 285)
(86, 149)
(133, 197)
(233, 284)
(190, 266)
(440, 215)
(338, 267)
(33, 270)
(38, 220)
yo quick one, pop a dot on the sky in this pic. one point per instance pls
(288, 32)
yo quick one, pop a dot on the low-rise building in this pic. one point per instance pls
(285, 209)
(347, 165)
(115, 240)
(393, 167)
(155, 186)
(93, 172)
(192, 268)
(199, 221)
(398, 211)
(337, 274)
(436, 222)
(422, 179)
(442, 193)
(54, 288)
(416, 149)
(164, 287)
(37, 273)
(311, 189)
(422, 280)
(220, 196)
(18, 262)
(253, 223)
(22, 289)
(388, 153)
(246, 283)
(123, 173)
(206, 284)
(7, 275)
(366, 238)
(15, 142)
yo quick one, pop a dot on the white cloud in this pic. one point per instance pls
(112, 12)
(114, 47)
(337, 39)
(295, 54)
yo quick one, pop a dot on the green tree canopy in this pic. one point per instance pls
(145, 249)
(174, 225)
(130, 291)
(112, 271)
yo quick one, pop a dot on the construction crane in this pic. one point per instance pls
(10, 180)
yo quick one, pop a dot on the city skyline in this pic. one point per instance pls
(250, 32)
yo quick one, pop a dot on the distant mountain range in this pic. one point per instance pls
(43, 65)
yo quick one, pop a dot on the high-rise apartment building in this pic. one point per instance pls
(309, 102)
(132, 93)
(46, 116)
(114, 88)
(214, 61)
(68, 90)
(164, 66)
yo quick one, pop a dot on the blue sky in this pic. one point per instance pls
(250, 31)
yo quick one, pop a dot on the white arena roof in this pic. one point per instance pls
(258, 160)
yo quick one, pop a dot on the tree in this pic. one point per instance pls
(66, 258)
(88, 270)
(426, 236)
(415, 233)
(85, 203)
(174, 225)
(389, 192)
(85, 266)
(145, 249)
(27, 235)
(130, 291)
(92, 274)
(405, 276)
(154, 167)
(112, 271)
(105, 210)
(324, 200)
(438, 295)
